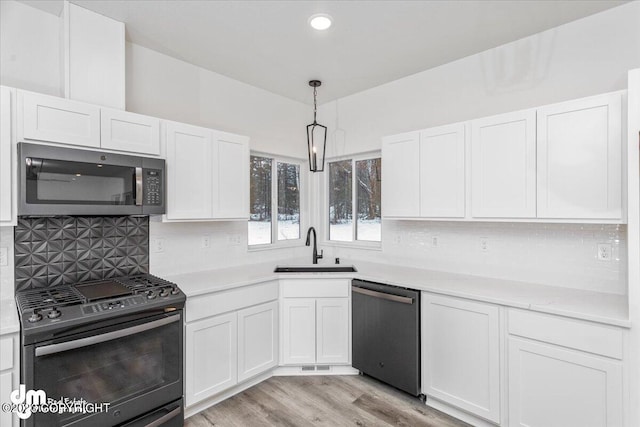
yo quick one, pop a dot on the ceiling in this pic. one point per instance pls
(269, 44)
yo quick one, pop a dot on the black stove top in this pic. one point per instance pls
(71, 305)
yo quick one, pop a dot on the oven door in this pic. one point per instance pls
(63, 181)
(135, 367)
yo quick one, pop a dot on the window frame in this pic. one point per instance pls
(361, 244)
(304, 203)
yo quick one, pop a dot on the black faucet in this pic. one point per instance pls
(316, 257)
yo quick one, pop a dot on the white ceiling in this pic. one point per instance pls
(269, 44)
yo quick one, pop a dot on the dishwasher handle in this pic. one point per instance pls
(382, 295)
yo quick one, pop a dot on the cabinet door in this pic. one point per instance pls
(551, 386)
(442, 171)
(460, 354)
(6, 163)
(332, 330)
(47, 118)
(121, 130)
(211, 363)
(580, 159)
(401, 175)
(231, 176)
(257, 339)
(6, 387)
(298, 331)
(189, 172)
(503, 166)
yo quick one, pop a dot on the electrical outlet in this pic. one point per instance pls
(4, 258)
(484, 244)
(604, 252)
(435, 241)
(206, 241)
(397, 239)
(158, 245)
(234, 239)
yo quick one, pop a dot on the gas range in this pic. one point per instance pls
(46, 311)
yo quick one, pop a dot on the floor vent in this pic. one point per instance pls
(308, 368)
(323, 368)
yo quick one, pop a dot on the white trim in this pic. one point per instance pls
(304, 203)
(324, 194)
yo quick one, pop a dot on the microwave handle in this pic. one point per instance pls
(138, 186)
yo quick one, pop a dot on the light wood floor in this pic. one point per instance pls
(321, 401)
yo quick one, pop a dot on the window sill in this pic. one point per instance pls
(370, 246)
(298, 243)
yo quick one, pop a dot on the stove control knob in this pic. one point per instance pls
(164, 292)
(174, 291)
(54, 313)
(35, 317)
(151, 295)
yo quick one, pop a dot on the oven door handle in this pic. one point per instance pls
(165, 418)
(83, 342)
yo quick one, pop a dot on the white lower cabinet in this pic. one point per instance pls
(552, 386)
(316, 322)
(564, 372)
(257, 339)
(9, 375)
(461, 354)
(227, 349)
(212, 362)
(332, 330)
(299, 331)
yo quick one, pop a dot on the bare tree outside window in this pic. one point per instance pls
(288, 201)
(260, 169)
(369, 221)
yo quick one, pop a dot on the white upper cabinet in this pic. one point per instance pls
(94, 57)
(580, 158)
(208, 174)
(401, 175)
(189, 172)
(503, 166)
(231, 176)
(7, 206)
(442, 171)
(121, 130)
(52, 119)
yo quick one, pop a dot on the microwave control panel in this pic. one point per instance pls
(153, 191)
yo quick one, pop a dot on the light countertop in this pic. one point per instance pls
(9, 320)
(587, 305)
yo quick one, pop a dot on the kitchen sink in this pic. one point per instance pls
(333, 268)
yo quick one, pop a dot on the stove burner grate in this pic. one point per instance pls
(58, 296)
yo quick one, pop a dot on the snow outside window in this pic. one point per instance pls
(354, 185)
(274, 203)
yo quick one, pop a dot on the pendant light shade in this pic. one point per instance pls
(316, 135)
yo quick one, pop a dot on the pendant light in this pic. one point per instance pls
(316, 135)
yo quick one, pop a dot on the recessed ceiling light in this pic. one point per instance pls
(320, 21)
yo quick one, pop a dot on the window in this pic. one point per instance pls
(273, 199)
(354, 185)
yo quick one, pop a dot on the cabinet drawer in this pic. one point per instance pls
(315, 288)
(6, 353)
(590, 337)
(222, 302)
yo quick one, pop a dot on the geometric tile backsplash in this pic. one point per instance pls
(52, 251)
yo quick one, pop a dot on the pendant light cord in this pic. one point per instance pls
(315, 103)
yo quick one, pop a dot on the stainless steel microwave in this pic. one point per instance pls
(64, 181)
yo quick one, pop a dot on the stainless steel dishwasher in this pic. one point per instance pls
(386, 334)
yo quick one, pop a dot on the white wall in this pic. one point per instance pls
(585, 57)
(29, 48)
(582, 58)
(162, 86)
